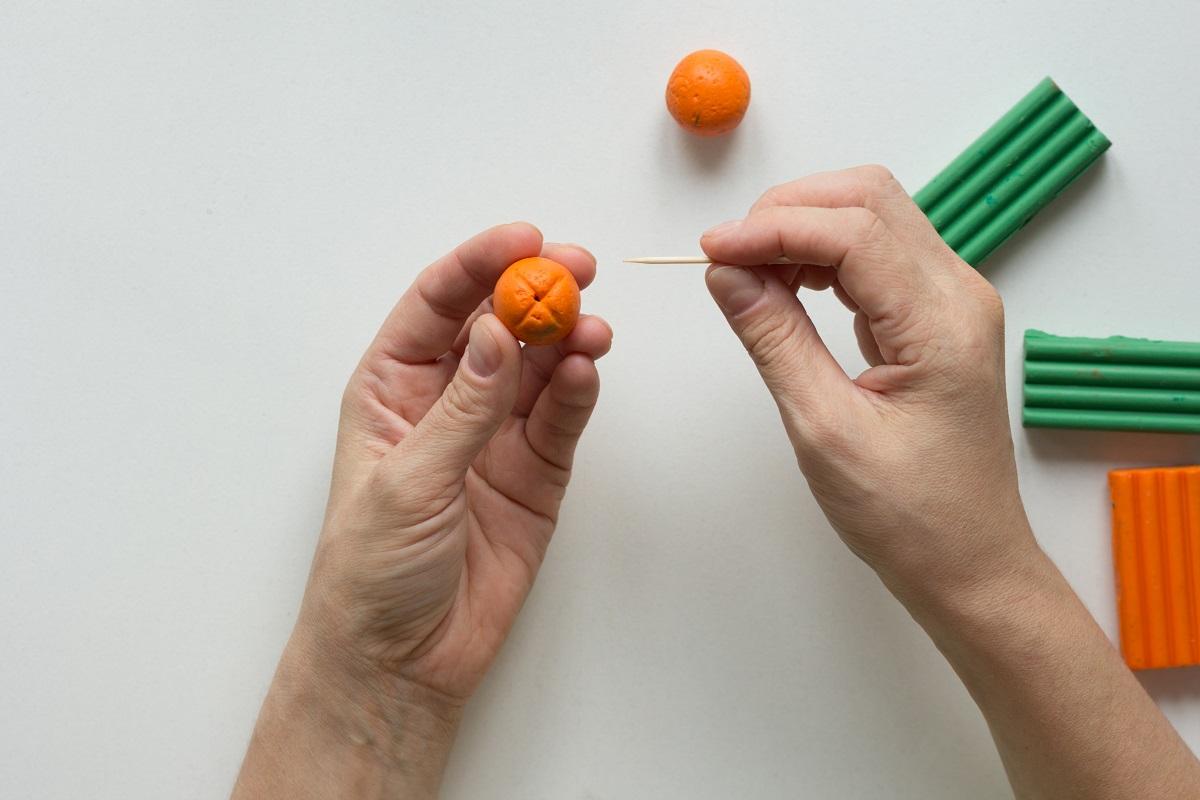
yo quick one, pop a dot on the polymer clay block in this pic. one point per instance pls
(1156, 553)
(1117, 383)
(1011, 172)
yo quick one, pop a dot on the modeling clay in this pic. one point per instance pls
(537, 299)
(1156, 552)
(1113, 384)
(1010, 172)
(708, 93)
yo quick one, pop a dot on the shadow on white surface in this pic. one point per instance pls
(1117, 449)
(706, 154)
(1059, 213)
(1165, 685)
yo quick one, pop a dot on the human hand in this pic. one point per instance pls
(453, 455)
(912, 460)
(450, 470)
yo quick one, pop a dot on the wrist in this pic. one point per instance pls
(995, 568)
(1000, 612)
(406, 725)
(333, 726)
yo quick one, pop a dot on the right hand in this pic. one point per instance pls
(912, 461)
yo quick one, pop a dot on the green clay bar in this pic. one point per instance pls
(1011, 172)
(1116, 383)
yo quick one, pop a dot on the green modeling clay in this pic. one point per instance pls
(1010, 172)
(1114, 384)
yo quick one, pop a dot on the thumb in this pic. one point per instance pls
(480, 396)
(779, 335)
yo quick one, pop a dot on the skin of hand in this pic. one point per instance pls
(909, 459)
(453, 455)
(912, 462)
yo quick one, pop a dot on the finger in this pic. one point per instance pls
(846, 299)
(435, 456)
(795, 276)
(780, 337)
(817, 277)
(592, 337)
(562, 410)
(792, 275)
(575, 258)
(807, 276)
(866, 340)
(870, 186)
(428, 318)
(867, 186)
(460, 344)
(795, 281)
(870, 263)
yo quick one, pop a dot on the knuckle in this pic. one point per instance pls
(875, 175)
(993, 302)
(878, 186)
(993, 306)
(461, 402)
(774, 196)
(869, 228)
(986, 304)
(769, 341)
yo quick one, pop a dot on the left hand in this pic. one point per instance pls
(453, 455)
(449, 471)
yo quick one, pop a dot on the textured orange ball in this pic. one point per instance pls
(537, 299)
(708, 93)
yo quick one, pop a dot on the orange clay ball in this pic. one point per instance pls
(537, 300)
(708, 93)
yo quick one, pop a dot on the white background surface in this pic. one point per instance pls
(206, 209)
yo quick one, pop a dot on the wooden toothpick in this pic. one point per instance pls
(668, 260)
(687, 260)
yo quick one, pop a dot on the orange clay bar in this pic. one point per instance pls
(708, 93)
(1156, 551)
(537, 299)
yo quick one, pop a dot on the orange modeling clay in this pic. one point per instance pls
(708, 93)
(1156, 551)
(538, 300)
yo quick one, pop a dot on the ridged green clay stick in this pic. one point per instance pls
(974, 185)
(1008, 193)
(1117, 383)
(1117, 375)
(1041, 346)
(983, 147)
(1009, 173)
(1111, 399)
(1111, 420)
(1050, 185)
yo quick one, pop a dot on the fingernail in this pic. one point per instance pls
(735, 289)
(722, 229)
(483, 351)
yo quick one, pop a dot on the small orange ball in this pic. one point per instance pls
(537, 299)
(708, 93)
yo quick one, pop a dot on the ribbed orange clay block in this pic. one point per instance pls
(1156, 551)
